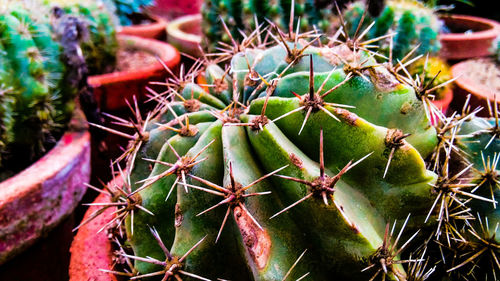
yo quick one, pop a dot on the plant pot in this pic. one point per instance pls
(37, 199)
(153, 30)
(480, 94)
(185, 34)
(90, 250)
(445, 102)
(174, 8)
(457, 46)
(112, 89)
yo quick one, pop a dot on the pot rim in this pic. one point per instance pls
(166, 52)
(90, 250)
(26, 196)
(470, 85)
(158, 25)
(492, 32)
(174, 28)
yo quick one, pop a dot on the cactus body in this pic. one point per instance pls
(413, 22)
(245, 15)
(302, 161)
(38, 82)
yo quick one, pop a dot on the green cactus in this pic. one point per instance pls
(101, 46)
(414, 25)
(31, 74)
(39, 77)
(245, 15)
(300, 161)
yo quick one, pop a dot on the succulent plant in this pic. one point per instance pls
(249, 14)
(433, 72)
(299, 161)
(100, 46)
(412, 23)
(31, 74)
(41, 69)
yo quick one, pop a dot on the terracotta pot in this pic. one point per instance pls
(111, 89)
(480, 94)
(463, 46)
(37, 199)
(154, 30)
(91, 251)
(445, 102)
(185, 34)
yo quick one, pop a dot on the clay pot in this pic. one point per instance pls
(456, 46)
(153, 30)
(37, 199)
(111, 89)
(480, 94)
(185, 34)
(91, 251)
(445, 102)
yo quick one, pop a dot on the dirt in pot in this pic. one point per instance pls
(485, 72)
(130, 59)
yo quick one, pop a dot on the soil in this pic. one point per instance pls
(129, 59)
(485, 72)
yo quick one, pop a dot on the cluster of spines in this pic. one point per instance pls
(249, 14)
(177, 168)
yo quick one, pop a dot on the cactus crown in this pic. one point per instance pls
(302, 160)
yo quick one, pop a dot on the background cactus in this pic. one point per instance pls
(432, 71)
(40, 76)
(414, 25)
(243, 15)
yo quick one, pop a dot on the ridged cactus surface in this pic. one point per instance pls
(293, 160)
(413, 24)
(248, 14)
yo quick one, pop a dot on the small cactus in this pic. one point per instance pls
(41, 69)
(412, 24)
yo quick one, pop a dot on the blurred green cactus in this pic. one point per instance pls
(413, 23)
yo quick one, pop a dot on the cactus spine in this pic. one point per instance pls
(413, 24)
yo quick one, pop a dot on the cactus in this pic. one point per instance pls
(414, 25)
(40, 73)
(297, 160)
(432, 71)
(101, 46)
(31, 75)
(247, 15)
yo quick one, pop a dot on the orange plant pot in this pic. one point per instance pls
(112, 89)
(455, 46)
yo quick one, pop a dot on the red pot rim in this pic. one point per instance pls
(39, 197)
(469, 85)
(166, 52)
(444, 102)
(90, 250)
(151, 30)
(492, 32)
